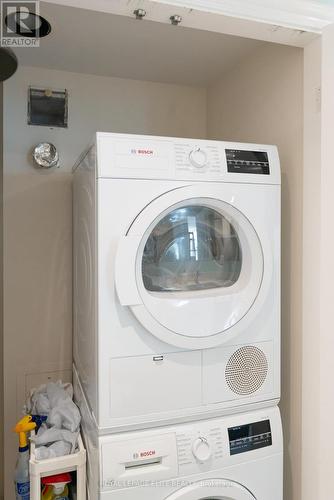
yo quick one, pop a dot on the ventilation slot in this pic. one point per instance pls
(246, 370)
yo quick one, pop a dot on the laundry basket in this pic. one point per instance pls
(76, 462)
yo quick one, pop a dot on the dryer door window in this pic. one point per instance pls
(191, 248)
(199, 267)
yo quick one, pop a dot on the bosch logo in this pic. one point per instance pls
(147, 152)
(148, 453)
(143, 454)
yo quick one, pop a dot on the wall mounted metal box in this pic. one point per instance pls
(47, 107)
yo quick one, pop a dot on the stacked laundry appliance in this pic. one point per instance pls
(177, 318)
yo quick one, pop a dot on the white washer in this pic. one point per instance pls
(176, 278)
(236, 457)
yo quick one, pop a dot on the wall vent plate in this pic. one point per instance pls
(47, 107)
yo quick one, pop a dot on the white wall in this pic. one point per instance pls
(37, 212)
(261, 100)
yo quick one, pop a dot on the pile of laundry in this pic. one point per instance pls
(60, 420)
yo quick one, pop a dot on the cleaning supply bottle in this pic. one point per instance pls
(21, 478)
(55, 487)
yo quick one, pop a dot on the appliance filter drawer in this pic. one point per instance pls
(128, 462)
(141, 385)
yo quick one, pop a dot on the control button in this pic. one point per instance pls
(201, 449)
(198, 158)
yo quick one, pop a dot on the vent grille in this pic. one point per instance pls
(246, 370)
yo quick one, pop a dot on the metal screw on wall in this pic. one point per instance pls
(175, 20)
(140, 13)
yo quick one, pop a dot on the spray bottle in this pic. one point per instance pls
(21, 478)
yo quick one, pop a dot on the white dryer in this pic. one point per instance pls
(236, 457)
(176, 278)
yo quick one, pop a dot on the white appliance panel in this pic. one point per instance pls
(122, 323)
(155, 383)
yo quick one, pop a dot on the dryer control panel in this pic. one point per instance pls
(124, 156)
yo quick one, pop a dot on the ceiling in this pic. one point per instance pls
(105, 44)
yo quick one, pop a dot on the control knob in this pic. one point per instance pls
(198, 158)
(201, 449)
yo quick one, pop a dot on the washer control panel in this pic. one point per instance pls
(184, 449)
(247, 162)
(243, 438)
(197, 158)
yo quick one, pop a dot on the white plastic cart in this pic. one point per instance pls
(76, 462)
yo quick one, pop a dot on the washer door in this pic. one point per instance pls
(190, 267)
(213, 489)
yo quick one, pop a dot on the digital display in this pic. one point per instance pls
(247, 162)
(249, 437)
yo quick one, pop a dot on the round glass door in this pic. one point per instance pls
(198, 266)
(192, 248)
